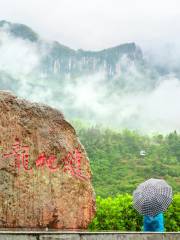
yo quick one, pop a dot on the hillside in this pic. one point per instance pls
(116, 162)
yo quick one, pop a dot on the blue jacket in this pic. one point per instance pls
(154, 224)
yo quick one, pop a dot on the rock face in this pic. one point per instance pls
(45, 176)
(59, 60)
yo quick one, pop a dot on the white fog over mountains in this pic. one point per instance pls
(121, 87)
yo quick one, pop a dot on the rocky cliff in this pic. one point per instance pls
(61, 61)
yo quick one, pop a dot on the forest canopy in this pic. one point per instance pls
(120, 160)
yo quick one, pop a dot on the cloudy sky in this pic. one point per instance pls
(98, 24)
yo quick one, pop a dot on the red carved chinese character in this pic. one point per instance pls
(19, 152)
(42, 160)
(72, 164)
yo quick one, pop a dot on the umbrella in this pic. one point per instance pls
(152, 197)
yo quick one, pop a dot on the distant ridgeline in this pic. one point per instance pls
(62, 60)
(47, 71)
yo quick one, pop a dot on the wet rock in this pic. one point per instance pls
(45, 176)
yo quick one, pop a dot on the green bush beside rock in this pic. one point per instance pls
(118, 214)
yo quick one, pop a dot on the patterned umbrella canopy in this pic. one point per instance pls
(152, 197)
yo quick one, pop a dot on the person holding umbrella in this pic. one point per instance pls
(151, 199)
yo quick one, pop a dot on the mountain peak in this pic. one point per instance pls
(20, 30)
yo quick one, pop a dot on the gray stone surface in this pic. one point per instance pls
(60, 237)
(17, 237)
(130, 237)
(174, 236)
(116, 237)
(88, 236)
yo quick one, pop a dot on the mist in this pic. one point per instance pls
(147, 103)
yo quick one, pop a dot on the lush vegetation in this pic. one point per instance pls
(117, 165)
(118, 214)
(118, 168)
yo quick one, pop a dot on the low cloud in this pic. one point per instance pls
(17, 57)
(148, 101)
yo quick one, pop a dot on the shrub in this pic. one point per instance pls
(118, 214)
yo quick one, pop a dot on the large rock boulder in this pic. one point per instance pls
(45, 176)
